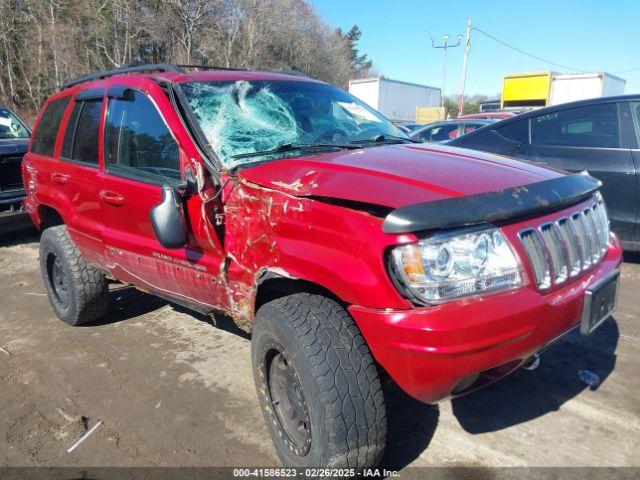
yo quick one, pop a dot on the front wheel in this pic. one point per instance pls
(317, 384)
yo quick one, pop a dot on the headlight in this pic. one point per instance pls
(457, 265)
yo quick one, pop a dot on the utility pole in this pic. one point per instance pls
(467, 45)
(444, 46)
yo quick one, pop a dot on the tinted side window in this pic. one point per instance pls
(81, 136)
(44, 140)
(69, 134)
(138, 141)
(442, 132)
(425, 134)
(85, 145)
(516, 131)
(592, 126)
(11, 126)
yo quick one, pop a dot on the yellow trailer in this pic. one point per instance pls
(526, 90)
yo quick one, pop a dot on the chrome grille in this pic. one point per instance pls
(561, 249)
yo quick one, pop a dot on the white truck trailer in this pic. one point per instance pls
(568, 87)
(396, 100)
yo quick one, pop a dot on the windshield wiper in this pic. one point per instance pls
(386, 138)
(288, 147)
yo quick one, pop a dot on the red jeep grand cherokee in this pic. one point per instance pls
(318, 226)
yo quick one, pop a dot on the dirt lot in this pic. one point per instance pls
(173, 390)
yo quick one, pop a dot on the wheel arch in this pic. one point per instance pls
(48, 217)
(272, 284)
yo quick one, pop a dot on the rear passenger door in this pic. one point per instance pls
(589, 138)
(75, 173)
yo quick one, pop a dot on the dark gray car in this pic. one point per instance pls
(439, 131)
(599, 135)
(14, 142)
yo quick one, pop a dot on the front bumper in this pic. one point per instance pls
(11, 204)
(454, 348)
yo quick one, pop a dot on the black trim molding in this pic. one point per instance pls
(90, 94)
(489, 207)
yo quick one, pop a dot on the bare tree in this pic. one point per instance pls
(43, 43)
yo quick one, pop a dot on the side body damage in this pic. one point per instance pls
(268, 234)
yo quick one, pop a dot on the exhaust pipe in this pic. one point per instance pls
(532, 362)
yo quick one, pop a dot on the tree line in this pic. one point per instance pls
(44, 43)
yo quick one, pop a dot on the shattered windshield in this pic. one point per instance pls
(246, 117)
(11, 126)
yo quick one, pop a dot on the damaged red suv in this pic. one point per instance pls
(345, 249)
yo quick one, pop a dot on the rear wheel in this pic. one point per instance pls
(78, 292)
(318, 385)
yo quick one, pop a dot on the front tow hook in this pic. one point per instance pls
(532, 362)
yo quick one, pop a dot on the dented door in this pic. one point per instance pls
(141, 155)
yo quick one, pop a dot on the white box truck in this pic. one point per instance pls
(568, 87)
(396, 100)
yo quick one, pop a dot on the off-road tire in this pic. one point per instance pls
(87, 293)
(337, 376)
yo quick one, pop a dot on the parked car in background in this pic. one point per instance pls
(14, 142)
(409, 127)
(599, 135)
(487, 115)
(489, 106)
(439, 131)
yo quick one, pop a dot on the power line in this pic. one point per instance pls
(529, 54)
(628, 71)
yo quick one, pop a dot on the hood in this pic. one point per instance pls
(13, 146)
(396, 175)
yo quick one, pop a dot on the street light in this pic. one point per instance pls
(445, 46)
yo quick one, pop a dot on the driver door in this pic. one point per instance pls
(141, 155)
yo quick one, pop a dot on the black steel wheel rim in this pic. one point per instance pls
(59, 287)
(289, 404)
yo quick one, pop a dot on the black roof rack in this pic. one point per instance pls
(158, 67)
(152, 67)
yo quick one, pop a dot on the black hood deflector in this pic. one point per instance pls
(489, 207)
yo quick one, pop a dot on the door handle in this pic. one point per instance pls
(60, 178)
(111, 198)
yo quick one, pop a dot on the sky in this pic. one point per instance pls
(588, 35)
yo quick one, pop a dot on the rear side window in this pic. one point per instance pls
(635, 110)
(11, 126)
(80, 141)
(44, 140)
(516, 131)
(472, 127)
(592, 126)
(436, 134)
(138, 142)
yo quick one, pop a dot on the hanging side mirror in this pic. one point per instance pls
(167, 220)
